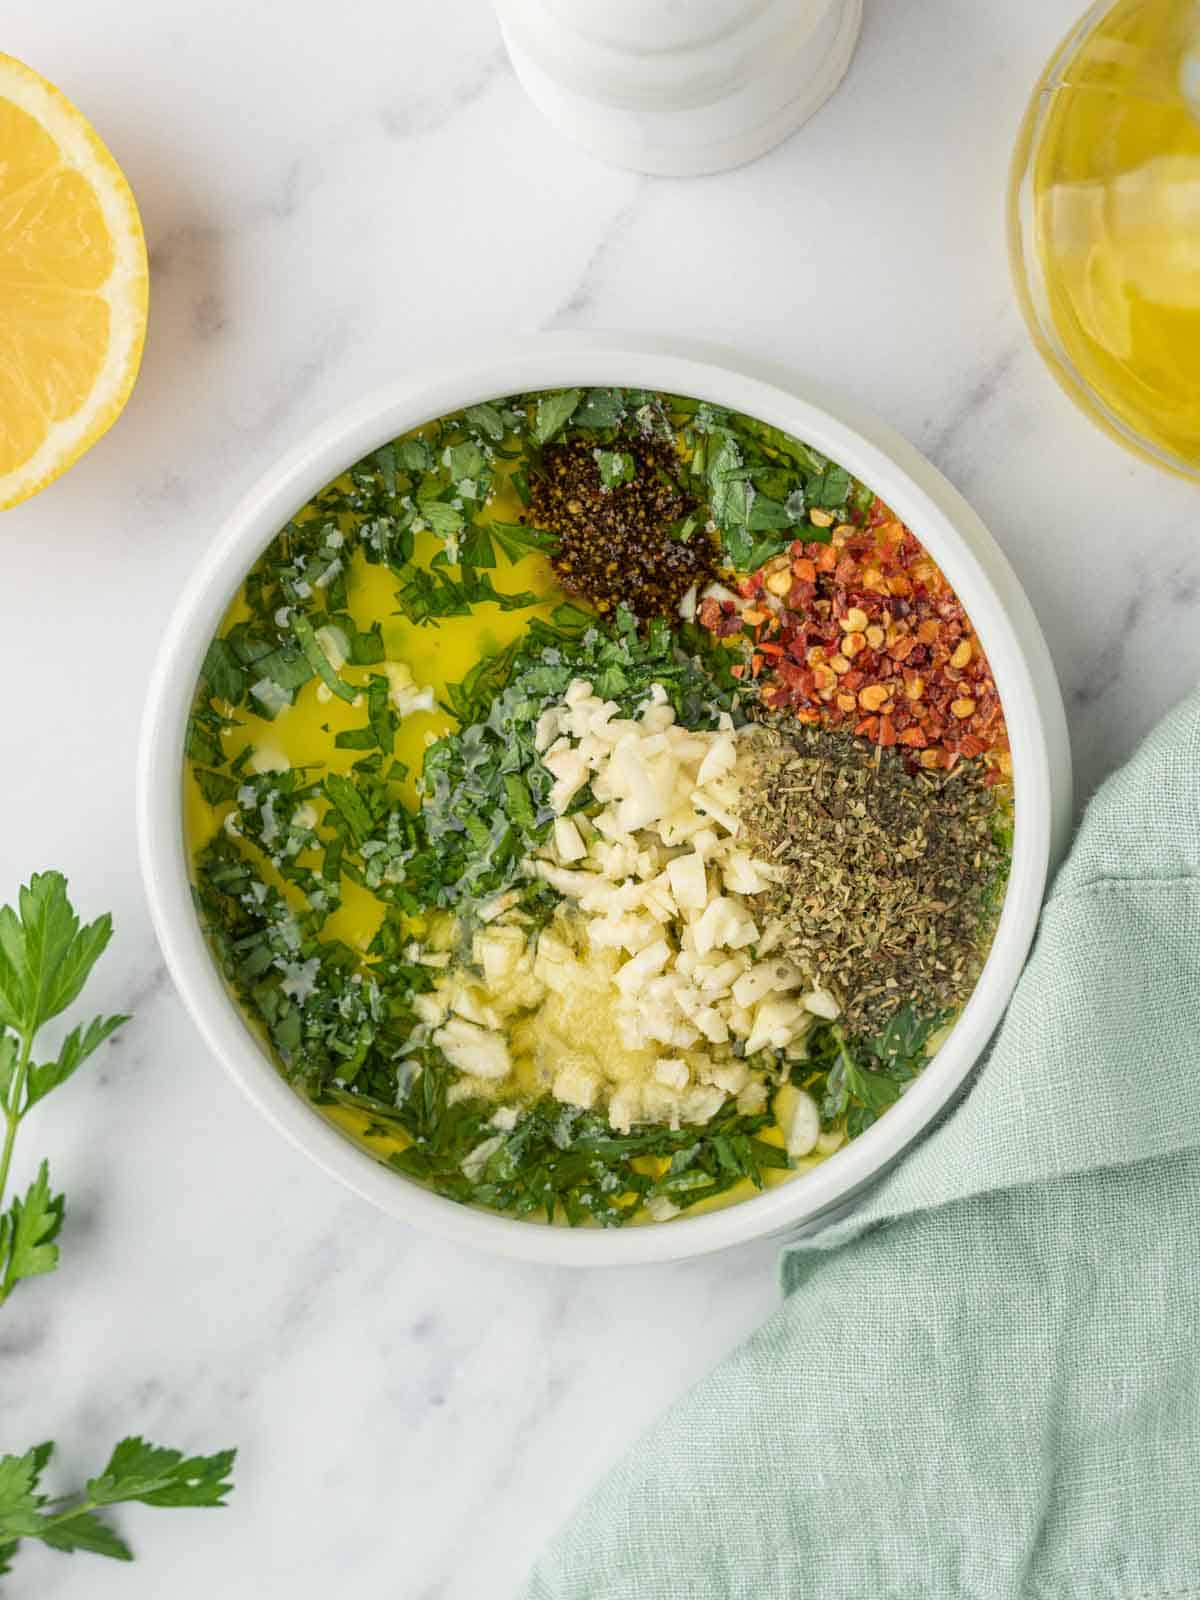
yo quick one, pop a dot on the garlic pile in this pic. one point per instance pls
(655, 984)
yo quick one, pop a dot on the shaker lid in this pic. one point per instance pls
(662, 54)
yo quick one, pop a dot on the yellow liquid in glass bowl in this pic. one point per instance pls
(1105, 225)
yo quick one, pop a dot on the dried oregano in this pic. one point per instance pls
(890, 873)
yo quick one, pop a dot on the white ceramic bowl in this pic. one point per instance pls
(941, 519)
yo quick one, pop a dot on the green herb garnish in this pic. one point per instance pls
(45, 959)
(761, 484)
(136, 1472)
(46, 956)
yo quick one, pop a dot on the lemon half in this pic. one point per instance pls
(73, 284)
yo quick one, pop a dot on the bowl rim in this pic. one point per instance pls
(920, 496)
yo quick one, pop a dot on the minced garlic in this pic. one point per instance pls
(654, 986)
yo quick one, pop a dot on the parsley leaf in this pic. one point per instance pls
(45, 956)
(27, 1233)
(79, 1044)
(475, 547)
(382, 721)
(157, 1477)
(760, 481)
(470, 700)
(343, 795)
(19, 1500)
(222, 672)
(729, 486)
(444, 520)
(320, 663)
(517, 540)
(554, 412)
(830, 488)
(216, 787)
(748, 554)
(601, 409)
(84, 1530)
(766, 513)
(488, 420)
(616, 467)
(426, 594)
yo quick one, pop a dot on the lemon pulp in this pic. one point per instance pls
(73, 284)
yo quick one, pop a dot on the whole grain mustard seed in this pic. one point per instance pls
(891, 874)
(616, 545)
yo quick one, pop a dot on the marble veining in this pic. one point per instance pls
(588, 285)
(334, 197)
(410, 117)
(942, 438)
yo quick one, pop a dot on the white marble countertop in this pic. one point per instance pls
(329, 194)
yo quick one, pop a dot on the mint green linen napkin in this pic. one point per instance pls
(986, 1384)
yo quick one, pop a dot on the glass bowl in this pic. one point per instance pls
(1104, 224)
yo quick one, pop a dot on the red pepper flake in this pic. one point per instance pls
(917, 657)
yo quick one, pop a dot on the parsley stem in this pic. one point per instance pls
(86, 1504)
(12, 1115)
(835, 1029)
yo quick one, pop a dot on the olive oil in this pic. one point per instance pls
(1106, 224)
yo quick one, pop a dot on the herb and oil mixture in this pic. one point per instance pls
(601, 804)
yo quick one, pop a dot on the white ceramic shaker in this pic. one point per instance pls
(680, 87)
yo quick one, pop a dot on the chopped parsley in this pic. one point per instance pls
(854, 1081)
(560, 1160)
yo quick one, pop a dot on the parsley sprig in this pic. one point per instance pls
(135, 1472)
(46, 957)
